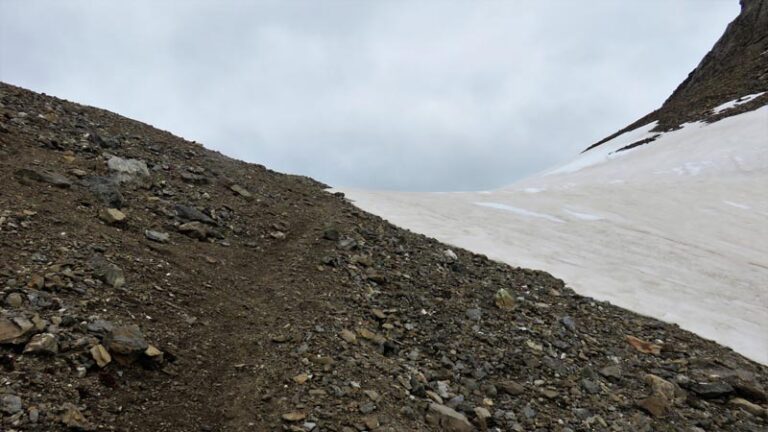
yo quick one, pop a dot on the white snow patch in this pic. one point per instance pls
(736, 102)
(737, 205)
(520, 211)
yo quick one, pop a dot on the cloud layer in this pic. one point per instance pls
(448, 95)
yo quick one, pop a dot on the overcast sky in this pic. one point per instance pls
(444, 95)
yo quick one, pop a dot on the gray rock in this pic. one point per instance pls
(14, 300)
(128, 170)
(612, 371)
(106, 190)
(590, 386)
(10, 404)
(568, 323)
(100, 327)
(44, 176)
(190, 213)
(236, 188)
(474, 314)
(157, 236)
(109, 273)
(712, 390)
(126, 340)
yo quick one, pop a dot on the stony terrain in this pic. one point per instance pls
(736, 66)
(150, 284)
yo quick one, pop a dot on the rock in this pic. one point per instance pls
(749, 407)
(157, 236)
(74, 419)
(568, 323)
(643, 346)
(100, 355)
(153, 353)
(474, 314)
(612, 371)
(195, 229)
(450, 255)
(43, 176)
(100, 327)
(482, 415)
(107, 272)
(128, 170)
(662, 387)
(10, 404)
(300, 378)
(112, 216)
(14, 300)
(590, 386)
(512, 388)
(15, 331)
(106, 190)
(193, 178)
(348, 336)
(126, 340)
(714, 390)
(294, 416)
(447, 419)
(331, 234)
(44, 343)
(656, 405)
(504, 300)
(236, 188)
(190, 213)
(367, 408)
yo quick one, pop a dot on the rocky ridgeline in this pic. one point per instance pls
(149, 284)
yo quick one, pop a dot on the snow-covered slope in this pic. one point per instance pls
(677, 230)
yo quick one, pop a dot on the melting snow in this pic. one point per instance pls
(520, 211)
(583, 216)
(737, 205)
(736, 102)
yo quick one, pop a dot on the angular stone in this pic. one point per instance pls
(128, 170)
(712, 390)
(157, 236)
(100, 355)
(15, 331)
(512, 388)
(447, 419)
(109, 273)
(348, 336)
(126, 340)
(192, 214)
(74, 419)
(106, 190)
(14, 300)
(112, 216)
(656, 405)
(240, 190)
(504, 300)
(749, 407)
(44, 343)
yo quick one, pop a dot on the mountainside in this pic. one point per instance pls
(736, 66)
(150, 284)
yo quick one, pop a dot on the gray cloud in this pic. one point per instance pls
(448, 95)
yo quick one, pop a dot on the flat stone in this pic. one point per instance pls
(656, 405)
(44, 176)
(447, 419)
(15, 331)
(112, 216)
(157, 236)
(236, 188)
(348, 336)
(190, 213)
(712, 390)
(128, 170)
(100, 355)
(512, 388)
(74, 419)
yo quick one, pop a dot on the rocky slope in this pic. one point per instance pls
(150, 284)
(736, 66)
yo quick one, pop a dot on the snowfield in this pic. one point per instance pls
(676, 229)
